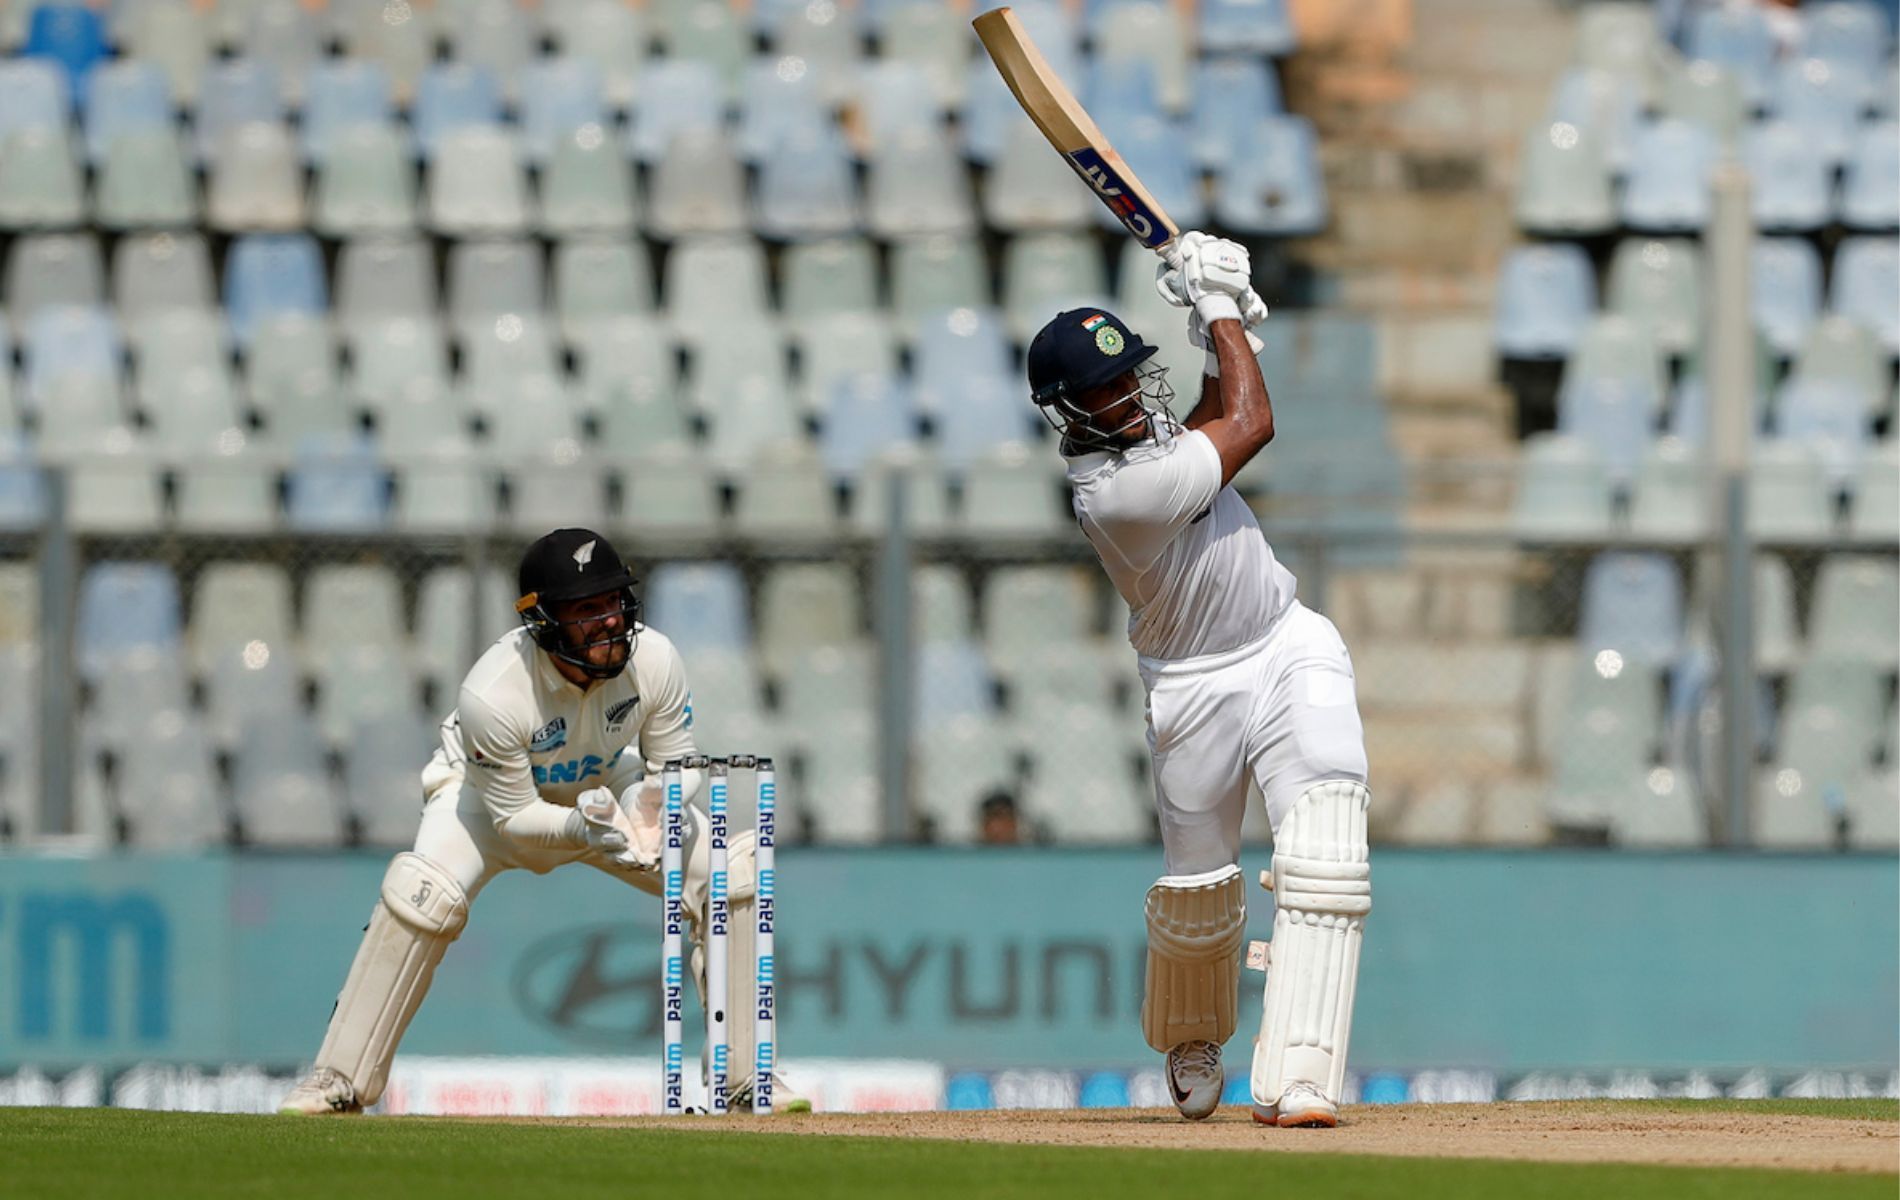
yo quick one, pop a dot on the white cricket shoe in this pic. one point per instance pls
(1195, 1078)
(1302, 1105)
(324, 1093)
(784, 1099)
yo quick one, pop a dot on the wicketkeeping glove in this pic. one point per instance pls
(609, 830)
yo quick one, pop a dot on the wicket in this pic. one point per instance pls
(715, 931)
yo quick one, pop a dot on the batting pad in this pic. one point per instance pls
(1195, 927)
(421, 911)
(1322, 890)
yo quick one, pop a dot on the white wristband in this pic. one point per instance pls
(1217, 306)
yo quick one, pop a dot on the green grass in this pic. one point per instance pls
(1876, 1109)
(80, 1154)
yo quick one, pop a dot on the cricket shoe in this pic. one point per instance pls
(784, 1099)
(1301, 1106)
(324, 1093)
(1195, 1078)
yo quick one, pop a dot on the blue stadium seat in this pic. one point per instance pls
(126, 608)
(341, 93)
(1830, 418)
(1793, 181)
(70, 341)
(807, 188)
(22, 488)
(1870, 189)
(675, 96)
(1118, 91)
(1786, 277)
(1275, 186)
(72, 36)
(1156, 151)
(954, 343)
(269, 274)
(452, 96)
(893, 97)
(32, 96)
(1632, 604)
(336, 486)
(952, 680)
(1564, 181)
(1546, 294)
(983, 413)
(558, 96)
(1668, 186)
(1563, 491)
(1231, 95)
(1850, 36)
(865, 416)
(1602, 104)
(1737, 38)
(1866, 280)
(699, 606)
(1614, 415)
(123, 97)
(231, 94)
(1824, 103)
(778, 101)
(1255, 26)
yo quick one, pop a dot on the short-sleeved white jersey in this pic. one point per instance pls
(529, 742)
(1184, 552)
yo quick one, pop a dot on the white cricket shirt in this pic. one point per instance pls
(1184, 552)
(529, 742)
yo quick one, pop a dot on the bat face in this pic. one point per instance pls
(1108, 175)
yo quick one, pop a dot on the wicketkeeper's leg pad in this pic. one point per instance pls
(1322, 891)
(1195, 927)
(421, 911)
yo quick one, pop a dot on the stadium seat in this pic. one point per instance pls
(1875, 511)
(476, 185)
(1258, 26)
(603, 280)
(747, 408)
(1657, 283)
(669, 494)
(281, 787)
(1866, 280)
(837, 348)
(807, 188)
(256, 181)
(864, 416)
(786, 492)
(382, 775)
(494, 35)
(177, 805)
(144, 182)
(1632, 604)
(451, 97)
(171, 35)
(1564, 185)
(1793, 183)
(1275, 186)
(1563, 491)
(365, 184)
(586, 186)
(494, 279)
(454, 625)
(340, 95)
(710, 281)
(113, 485)
(234, 93)
(289, 36)
(123, 97)
(126, 609)
(609, 34)
(676, 97)
(698, 187)
(1739, 40)
(1850, 35)
(706, 31)
(1149, 32)
(1030, 189)
(1873, 811)
(1612, 718)
(1669, 497)
(828, 278)
(1045, 273)
(1615, 416)
(270, 274)
(52, 270)
(1614, 347)
(779, 99)
(1856, 602)
(335, 487)
(32, 96)
(558, 96)
(155, 273)
(1708, 95)
(1786, 276)
(933, 274)
(929, 38)
(1155, 151)
(1870, 188)
(384, 278)
(1829, 418)
(917, 186)
(1841, 351)
(69, 341)
(894, 98)
(1823, 103)
(1012, 492)
(1668, 186)
(1546, 295)
(70, 36)
(806, 605)
(1231, 95)
(40, 182)
(400, 41)
(1788, 496)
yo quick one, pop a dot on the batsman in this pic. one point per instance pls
(1244, 684)
(552, 756)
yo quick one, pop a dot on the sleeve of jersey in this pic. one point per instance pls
(1165, 493)
(668, 729)
(497, 754)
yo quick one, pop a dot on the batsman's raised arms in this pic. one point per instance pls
(1066, 124)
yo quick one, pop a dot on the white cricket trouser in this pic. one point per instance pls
(458, 834)
(1280, 711)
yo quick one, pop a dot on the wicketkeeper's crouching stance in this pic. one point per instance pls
(1244, 684)
(552, 757)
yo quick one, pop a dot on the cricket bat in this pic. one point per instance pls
(1063, 120)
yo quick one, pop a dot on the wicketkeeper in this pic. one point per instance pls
(552, 756)
(1245, 684)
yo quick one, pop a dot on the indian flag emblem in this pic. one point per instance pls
(1089, 324)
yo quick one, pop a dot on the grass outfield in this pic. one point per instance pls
(80, 1154)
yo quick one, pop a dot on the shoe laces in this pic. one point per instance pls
(1199, 1057)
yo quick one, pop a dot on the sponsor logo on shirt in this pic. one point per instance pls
(477, 758)
(689, 710)
(551, 736)
(575, 770)
(618, 713)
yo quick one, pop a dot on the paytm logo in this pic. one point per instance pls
(88, 966)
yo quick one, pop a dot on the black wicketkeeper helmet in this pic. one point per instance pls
(574, 564)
